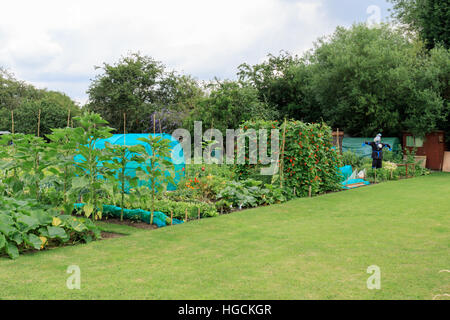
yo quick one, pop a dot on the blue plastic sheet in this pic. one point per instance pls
(131, 139)
(159, 218)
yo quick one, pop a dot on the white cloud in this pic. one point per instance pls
(56, 45)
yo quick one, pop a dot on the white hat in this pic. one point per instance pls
(377, 138)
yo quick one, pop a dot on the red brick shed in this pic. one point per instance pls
(432, 146)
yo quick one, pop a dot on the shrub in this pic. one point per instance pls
(249, 193)
(350, 158)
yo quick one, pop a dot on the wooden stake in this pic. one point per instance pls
(171, 217)
(198, 213)
(39, 123)
(12, 121)
(282, 155)
(295, 193)
(338, 141)
(310, 192)
(124, 127)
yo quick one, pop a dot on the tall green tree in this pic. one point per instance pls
(26, 101)
(359, 79)
(430, 18)
(228, 104)
(282, 83)
(367, 80)
(138, 85)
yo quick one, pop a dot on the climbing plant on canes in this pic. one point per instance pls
(309, 158)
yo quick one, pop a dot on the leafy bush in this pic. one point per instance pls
(179, 209)
(26, 225)
(249, 193)
(350, 158)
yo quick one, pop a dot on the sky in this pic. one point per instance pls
(56, 44)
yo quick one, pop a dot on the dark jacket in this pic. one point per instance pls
(377, 153)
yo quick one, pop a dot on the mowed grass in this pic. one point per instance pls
(316, 248)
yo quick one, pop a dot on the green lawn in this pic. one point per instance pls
(315, 248)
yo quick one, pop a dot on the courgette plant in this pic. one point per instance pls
(157, 169)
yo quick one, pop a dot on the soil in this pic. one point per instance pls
(110, 235)
(130, 223)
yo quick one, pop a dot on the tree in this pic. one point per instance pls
(26, 101)
(282, 83)
(229, 104)
(430, 18)
(370, 80)
(138, 86)
(361, 80)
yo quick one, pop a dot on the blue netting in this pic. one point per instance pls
(355, 145)
(159, 218)
(131, 139)
(346, 177)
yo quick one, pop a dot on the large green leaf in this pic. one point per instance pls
(2, 241)
(27, 222)
(11, 250)
(17, 237)
(80, 183)
(7, 229)
(57, 233)
(43, 217)
(33, 241)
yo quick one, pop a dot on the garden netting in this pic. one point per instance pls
(131, 139)
(350, 176)
(159, 218)
(355, 145)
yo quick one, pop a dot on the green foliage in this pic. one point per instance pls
(26, 101)
(88, 181)
(370, 80)
(309, 157)
(282, 83)
(350, 158)
(63, 142)
(24, 163)
(120, 157)
(248, 194)
(157, 168)
(139, 85)
(362, 80)
(27, 225)
(228, 104)
(178, 208)
(430, 18)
